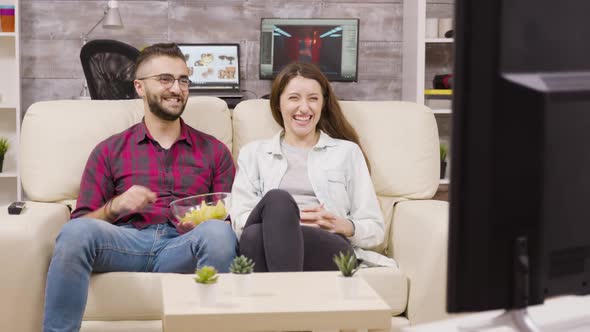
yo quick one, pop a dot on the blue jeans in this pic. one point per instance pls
(89, 245)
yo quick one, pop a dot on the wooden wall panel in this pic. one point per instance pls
(380, 60)
(70, 19)
(51, 58)
(378, 21)
(38, 89)
(51, 30)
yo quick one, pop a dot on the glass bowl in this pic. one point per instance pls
(199, 208)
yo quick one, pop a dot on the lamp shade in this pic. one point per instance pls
(112, 18)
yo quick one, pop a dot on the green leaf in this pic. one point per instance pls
(206, 275)
(444, 149)
(347, 263)
(4, 146)
(241, 265)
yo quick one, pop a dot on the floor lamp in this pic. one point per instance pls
(111, 19)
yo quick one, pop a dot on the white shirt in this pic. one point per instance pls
(339, 177)
(296, 180)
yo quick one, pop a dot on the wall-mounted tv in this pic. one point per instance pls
(331, 44)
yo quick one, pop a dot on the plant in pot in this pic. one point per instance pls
(206, 278)
(444, 149)
(4, 146)
(348, 265)
(242, 268)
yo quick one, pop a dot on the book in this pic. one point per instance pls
(438, 92)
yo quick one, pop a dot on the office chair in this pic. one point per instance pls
(109, 68)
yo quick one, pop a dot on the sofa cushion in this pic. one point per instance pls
(26, 243)
(400, 139)
(391, 284)
(58, 136)
(137, 326)
(124, 296)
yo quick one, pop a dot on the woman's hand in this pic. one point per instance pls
(318, 216)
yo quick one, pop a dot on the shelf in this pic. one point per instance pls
(438, 40)
(10, 112)
(442, 111)
(8, 175)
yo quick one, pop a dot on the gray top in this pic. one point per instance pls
(296, 180)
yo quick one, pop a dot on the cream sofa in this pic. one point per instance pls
(400, 138)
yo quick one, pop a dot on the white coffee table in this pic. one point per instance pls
(293, 301)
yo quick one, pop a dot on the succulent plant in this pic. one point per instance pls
(241, 265)
(347, 263)
(206, 275)
(4, 145)
(444, 149)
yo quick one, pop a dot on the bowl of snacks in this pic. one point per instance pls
(199, 208)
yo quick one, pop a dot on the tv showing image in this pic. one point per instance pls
(331, 44)
(212, 66)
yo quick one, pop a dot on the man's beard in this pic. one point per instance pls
(159, 111)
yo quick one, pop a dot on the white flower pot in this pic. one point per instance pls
(207, 294)
(242, 284)
(348, 287)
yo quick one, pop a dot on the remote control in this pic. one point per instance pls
(16, 207)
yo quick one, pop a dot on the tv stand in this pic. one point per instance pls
(517, 316)
(559, 314)
(563, 314)
(518, 319)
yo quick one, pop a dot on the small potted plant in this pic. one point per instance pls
(348, 265)
(444, 149)
(206, 278)
(242, 268)
(4, 145)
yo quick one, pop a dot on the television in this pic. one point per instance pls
(331, 44)
(212, 67)
(519, 228)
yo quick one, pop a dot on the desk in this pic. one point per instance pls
(562, 314)
(294, 301)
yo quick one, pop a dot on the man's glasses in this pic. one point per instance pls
(167, 81)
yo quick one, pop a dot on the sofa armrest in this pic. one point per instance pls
(26, 247)
(419, 237)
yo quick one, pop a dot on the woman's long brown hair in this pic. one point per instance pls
(332, 120)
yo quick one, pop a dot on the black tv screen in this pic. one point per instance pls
(331, 44)
(520, 183)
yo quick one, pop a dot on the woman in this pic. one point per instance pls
(306, 194)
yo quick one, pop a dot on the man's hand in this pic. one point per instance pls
(318, 216)
(134, 199)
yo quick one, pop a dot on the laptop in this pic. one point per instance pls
(214, 69)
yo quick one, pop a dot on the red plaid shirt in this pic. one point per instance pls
(196, 163)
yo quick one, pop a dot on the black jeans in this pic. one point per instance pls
(275, 240)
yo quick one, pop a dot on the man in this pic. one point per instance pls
(121, 222)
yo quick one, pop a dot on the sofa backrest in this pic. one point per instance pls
(58, 136)
(400, 139)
